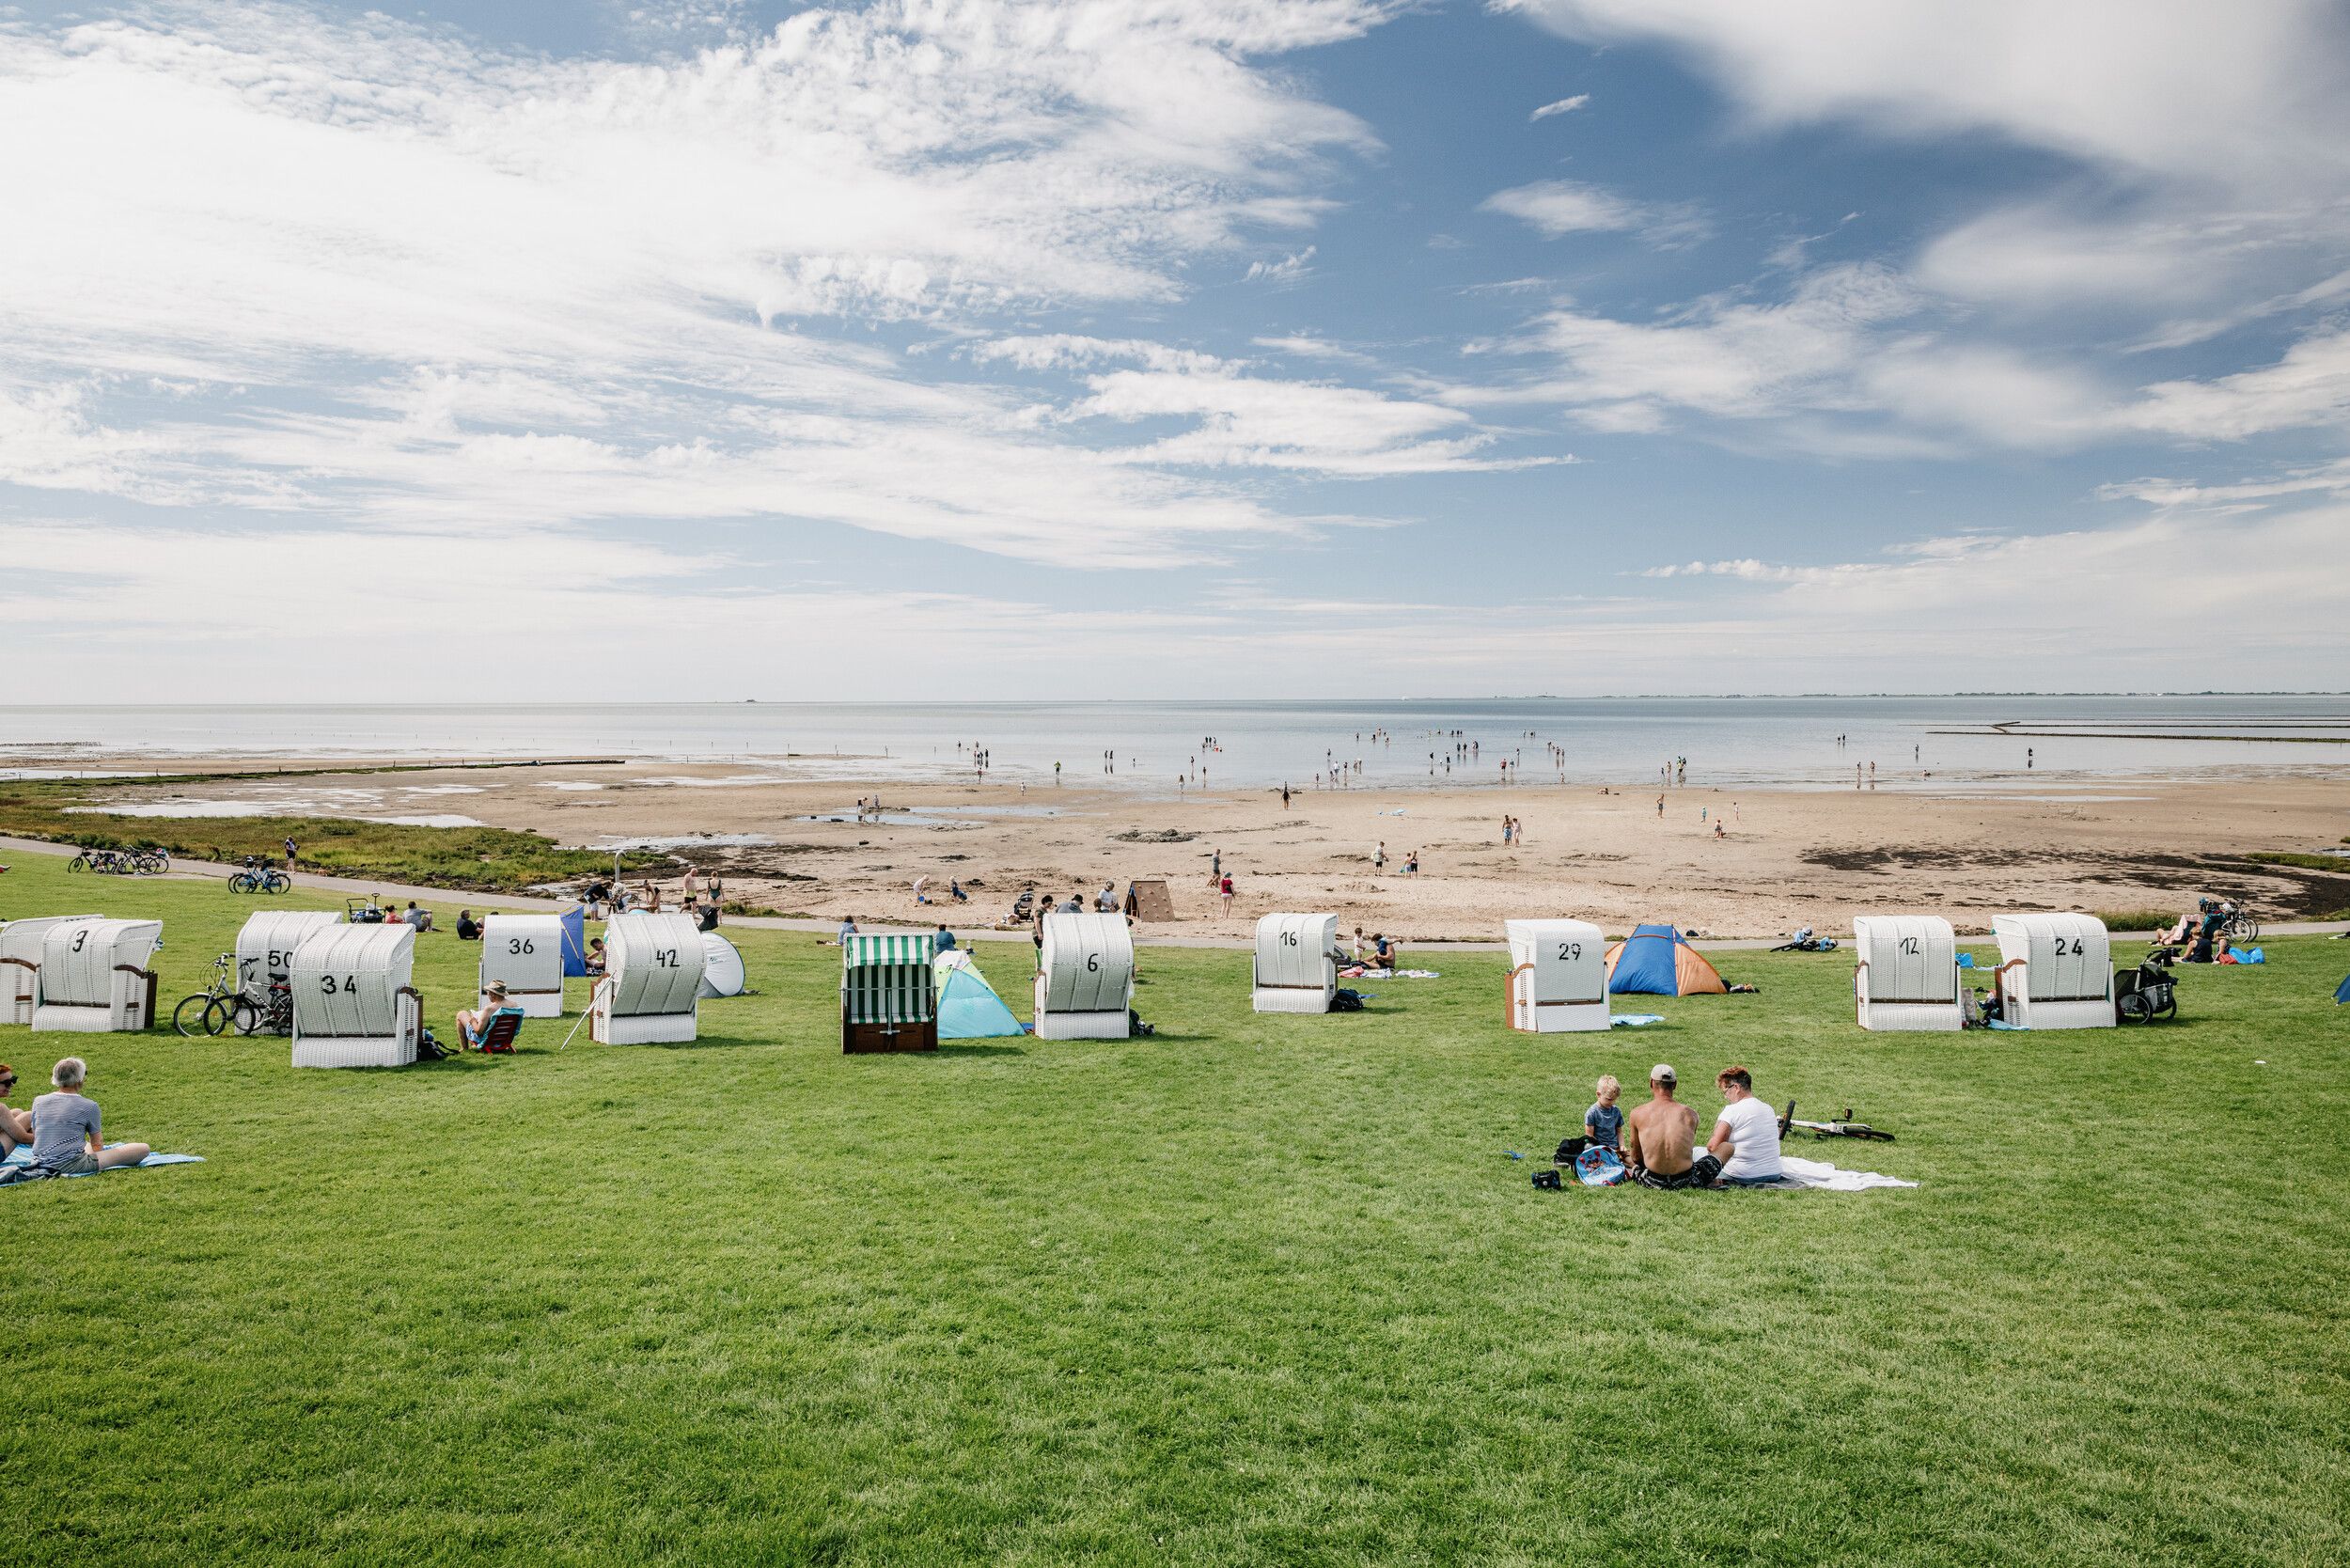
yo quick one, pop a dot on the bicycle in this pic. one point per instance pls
(98, 860)
(221, 1004)
(2240, 926)
(258, 876)
(151, 861)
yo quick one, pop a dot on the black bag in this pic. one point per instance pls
(1569, 1148)
(430, 1049)
(1549, 1181)
(1346, 1001)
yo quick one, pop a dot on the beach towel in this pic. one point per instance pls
(2003, 1024)
(1966, 961)
(2341, 992)
(1634, 1020)
(21, 1159)
(1820, 1176)
(1802, 1175)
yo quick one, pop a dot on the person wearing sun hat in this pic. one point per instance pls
(1659, 1136)
(471, 1026)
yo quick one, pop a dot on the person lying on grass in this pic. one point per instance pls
(66, 1140)
(1745, 1135)
(474, 1023)
(16, 1126)
(1657, 1137)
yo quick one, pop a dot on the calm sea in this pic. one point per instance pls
(1942, 744)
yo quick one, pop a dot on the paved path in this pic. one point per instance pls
(205, 870)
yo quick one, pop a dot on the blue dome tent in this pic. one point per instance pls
(968, 1008)
(1658, 961)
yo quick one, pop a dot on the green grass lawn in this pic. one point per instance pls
(1256, 1289)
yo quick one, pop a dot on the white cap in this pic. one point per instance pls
(1663, 1073)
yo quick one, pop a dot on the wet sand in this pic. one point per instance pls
(1784, 857)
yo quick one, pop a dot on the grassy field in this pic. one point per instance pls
(495, 859)
(1253, 1290)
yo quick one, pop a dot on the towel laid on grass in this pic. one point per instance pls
(1823, 1177)
(1802, 1175)
(1634, 1020)
(21, 1158)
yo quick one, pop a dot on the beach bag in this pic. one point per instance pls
(1547, 1181)
(1347, 1001)
(1599, 1167)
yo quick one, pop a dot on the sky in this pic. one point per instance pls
(505, 351)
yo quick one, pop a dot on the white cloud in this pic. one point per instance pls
(2171, 86)
(1287, 269)
(1558, 206)
(1239, 420)
(2309, 387)
(1563, 106)
(410, 280)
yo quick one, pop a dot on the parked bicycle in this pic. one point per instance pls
(258, 876)
(219, 1006)
(139, 862)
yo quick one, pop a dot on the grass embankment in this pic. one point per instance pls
(1257, 1290)
(491, 859)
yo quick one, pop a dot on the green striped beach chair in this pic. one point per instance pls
(888, 994)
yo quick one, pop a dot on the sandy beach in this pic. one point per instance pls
(1782, 858)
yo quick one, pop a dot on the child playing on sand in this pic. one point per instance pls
(1602, 1124)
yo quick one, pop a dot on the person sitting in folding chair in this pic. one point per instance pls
(493, 1026)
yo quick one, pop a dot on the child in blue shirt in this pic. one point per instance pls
(1602, 1124)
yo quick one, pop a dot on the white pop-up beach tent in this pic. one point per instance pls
(652, 981)
(1085, 979)
(353, 1003)
(526, 953)
(1297, 964)
(266, 943)
(2056, 971)
(1906, 972)
(1558, 975)
(19, 961)
(722, 973)
(93, 977)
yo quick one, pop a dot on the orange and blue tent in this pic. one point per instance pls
(1658, 961)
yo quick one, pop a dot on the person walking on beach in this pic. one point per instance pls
(1660, 808)
(1285, 794)
(1379, 858)
(1226, 890)
(289, 854)
(1216, 867)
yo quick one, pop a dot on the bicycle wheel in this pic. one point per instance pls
(154, 863)
(244, 1016)
(278, 882)
(192, 1016)
(2247, 929)
(240, 882)
(79, 863)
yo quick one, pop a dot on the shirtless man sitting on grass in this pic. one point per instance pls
(1658, 1137)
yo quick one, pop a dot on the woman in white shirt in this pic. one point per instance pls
(1745, 1135)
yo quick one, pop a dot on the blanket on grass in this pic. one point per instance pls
(21, 1159)
(1801, 1175)
(1818, 1175)
(1634, 1020)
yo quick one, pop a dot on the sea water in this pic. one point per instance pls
(1956, 744)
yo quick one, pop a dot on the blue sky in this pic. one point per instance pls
(1171, 347)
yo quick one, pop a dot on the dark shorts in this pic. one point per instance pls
(1702, 1172)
